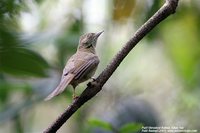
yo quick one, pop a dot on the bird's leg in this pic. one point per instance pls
(74, 94)
(93, 79)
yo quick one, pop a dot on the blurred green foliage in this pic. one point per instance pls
(127, 128)
(100, 124)
(4, 91)
(123, 10)
(16, 60)
(15, 57)
(9, 8)
(22, 61)
(131, 128)
(66, 44)
(184, 52)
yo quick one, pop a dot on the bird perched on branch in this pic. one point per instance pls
(81, 66)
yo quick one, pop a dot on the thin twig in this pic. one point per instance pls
(166, 10)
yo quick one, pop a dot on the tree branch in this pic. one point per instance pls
(168, 8)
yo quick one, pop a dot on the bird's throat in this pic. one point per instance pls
(89, 50)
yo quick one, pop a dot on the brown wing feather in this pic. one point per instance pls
(86, 68)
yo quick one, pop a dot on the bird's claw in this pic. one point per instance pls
(93, 79)
(90, 83)
(75, 97)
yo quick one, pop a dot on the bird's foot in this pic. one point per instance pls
(92, 82)
(93, 79)
(75, 97)
(89, 84)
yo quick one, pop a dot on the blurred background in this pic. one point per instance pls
(158, 84)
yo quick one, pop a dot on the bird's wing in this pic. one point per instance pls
(83, 64)
(76, 68)
(86, 68)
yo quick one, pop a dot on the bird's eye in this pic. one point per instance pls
(88, 45)
(85, 43)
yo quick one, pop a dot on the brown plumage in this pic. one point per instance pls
(81, 66)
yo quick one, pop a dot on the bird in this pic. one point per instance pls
(81, 66)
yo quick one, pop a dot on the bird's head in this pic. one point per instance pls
(89, 40)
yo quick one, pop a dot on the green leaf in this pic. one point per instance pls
(4, 91)
(15, 58)
(22, 62)
(131, 128)
(100, 124)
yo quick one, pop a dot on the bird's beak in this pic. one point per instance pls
(98, 34)
(95, 38)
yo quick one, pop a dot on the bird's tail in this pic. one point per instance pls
(61, 87)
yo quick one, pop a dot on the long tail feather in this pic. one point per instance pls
(61, 87)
